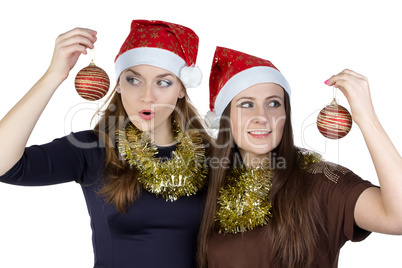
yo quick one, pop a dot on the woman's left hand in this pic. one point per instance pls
(356, 89)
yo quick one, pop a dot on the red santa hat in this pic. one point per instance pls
(161, 44)
(231, 73)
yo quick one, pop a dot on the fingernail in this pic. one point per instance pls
(326, 82)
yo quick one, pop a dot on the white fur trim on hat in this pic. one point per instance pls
(245, 79)
(191, 76)
(149, 56)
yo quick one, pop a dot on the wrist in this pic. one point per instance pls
(368, 123)
(52, 80)
(54, 77)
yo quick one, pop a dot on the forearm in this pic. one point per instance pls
(17, 125)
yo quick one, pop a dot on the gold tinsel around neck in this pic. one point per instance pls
(244, 200)
(182, 175)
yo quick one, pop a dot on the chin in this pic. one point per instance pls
(261, 149)
(258, 152)
(261, 153)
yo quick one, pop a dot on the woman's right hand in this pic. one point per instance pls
(69, 46)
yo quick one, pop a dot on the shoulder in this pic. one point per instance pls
(337, 186)
(332, 178)
(85, 145)
(328, 170)
(84, 139)
(315, 166)
(90, 149)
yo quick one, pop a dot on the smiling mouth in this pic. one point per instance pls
(259, 134)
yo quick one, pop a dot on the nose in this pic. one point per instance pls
(259, 116)
(147, 94)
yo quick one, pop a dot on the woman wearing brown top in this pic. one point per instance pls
(271, 204)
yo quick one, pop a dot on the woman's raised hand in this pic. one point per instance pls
(356, 89)
(14, 135)
(68, 47)
(376, 210)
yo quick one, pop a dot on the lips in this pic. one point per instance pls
(259, 134)
(146, 114)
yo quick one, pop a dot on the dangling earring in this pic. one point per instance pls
(334, 121)
(92, 83)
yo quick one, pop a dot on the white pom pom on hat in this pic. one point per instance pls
(190, 76)
(212, 120)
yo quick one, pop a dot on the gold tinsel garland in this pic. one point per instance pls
(183, 174)
(243, 202)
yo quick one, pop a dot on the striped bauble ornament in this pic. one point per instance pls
(92, 83)
(334, 121)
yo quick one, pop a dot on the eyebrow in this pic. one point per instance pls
(267, 98)
(158, 76)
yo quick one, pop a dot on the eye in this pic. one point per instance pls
(245, 104)
(132, 80)
(164, 83)
(273, 104)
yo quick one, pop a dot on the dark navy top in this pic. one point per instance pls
(153, 233)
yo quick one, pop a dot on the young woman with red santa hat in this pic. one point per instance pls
(142, 168)
(272, 204)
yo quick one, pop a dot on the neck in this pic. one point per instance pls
(162, 138)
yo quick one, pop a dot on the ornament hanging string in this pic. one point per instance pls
(92, 55)
(334, 92)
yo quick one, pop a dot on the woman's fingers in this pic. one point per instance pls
(346, 75)
(86, 33)
(77, 38)
(68, 47)
(356, 89)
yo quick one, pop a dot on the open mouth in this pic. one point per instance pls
(146, 114)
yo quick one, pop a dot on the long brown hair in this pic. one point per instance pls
(296, 211)
(120, 184)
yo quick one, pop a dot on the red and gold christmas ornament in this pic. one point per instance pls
(92, 83)
(334, 121)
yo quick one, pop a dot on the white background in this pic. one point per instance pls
(307, 40)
